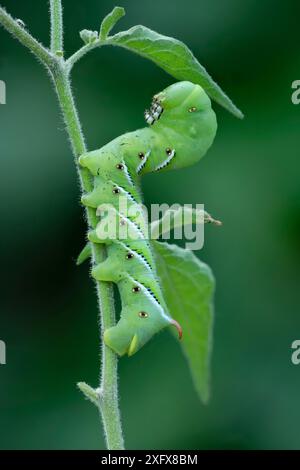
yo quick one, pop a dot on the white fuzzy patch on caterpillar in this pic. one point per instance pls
(166, 161)
(149, 118)
(153, 115)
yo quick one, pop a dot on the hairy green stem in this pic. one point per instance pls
(59, 70)
(108, 397)
(109, 41)
(81, 52)
(13, 27)
(56, 21)
(85, 49)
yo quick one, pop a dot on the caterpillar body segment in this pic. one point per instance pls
(182, 126)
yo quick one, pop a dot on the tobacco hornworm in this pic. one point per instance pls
(182, 126)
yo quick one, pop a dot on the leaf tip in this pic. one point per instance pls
(110, 21)
(120, 11)
(204, 396)
(236, 111)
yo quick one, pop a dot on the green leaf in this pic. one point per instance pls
(178, 218)
(175, 58)
(85, 254)
(109, 22)
(188, 287)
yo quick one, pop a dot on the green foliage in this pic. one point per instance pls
(109, 22)
(175, 58)
(188, 287)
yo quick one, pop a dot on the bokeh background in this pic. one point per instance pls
(249, 180)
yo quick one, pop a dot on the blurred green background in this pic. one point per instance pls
(249, 180)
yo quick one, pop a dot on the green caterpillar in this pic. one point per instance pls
(182, 126)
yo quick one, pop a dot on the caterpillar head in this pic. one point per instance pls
(184, 123)
(176, 101)
(136, 327)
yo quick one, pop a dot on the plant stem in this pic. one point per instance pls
(108, 395)
(71, 61)
(56, 21)
(108, 398)
(26, 39)
(81, 52)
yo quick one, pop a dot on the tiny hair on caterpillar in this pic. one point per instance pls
(181, 128)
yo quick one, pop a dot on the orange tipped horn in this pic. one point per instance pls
(178, 327)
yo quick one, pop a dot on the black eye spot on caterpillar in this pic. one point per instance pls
(143, 157)
(119, 166)
(136, 289)
(192, 109)
(116, 191)
(143, 314)
(167, 161)
(155, 112)
(129, 255)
